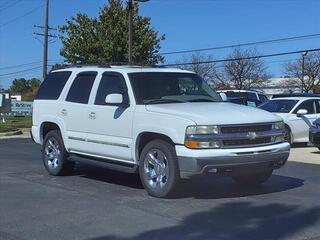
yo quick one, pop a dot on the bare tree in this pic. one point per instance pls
(245, 70)
(309, 78)
(201, 65)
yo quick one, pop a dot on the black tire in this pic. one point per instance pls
(287, 135)
(254, 179)
(58, 165)
(169, 182)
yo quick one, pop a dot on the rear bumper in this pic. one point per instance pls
(236, 162)
(35, 134)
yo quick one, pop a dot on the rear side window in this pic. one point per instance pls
(81, 87)
(52, 86)
(110, 83)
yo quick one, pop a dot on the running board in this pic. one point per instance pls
(105, 163)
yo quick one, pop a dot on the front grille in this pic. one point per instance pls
(247, 142)
(246, 128)
(248, 135)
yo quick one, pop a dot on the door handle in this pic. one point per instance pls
(92, 115)
(64, 112)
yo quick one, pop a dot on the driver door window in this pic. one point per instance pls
(110, 84)
(308, 105)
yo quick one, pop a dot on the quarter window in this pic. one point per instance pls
(81, 87)
(110, 83)
(52, 86)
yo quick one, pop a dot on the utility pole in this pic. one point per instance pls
(45, 43)
(46, 36)
(302, 71)
(130, 6)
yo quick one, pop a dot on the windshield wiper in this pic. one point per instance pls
(159, 101)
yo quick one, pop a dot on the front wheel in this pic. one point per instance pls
(158, 168)
(253, 179)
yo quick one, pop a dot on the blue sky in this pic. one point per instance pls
(188, 24)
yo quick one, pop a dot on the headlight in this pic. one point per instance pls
(194, 130)
(196, 137)
(279, 125)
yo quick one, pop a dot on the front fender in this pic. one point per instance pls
(171, 126)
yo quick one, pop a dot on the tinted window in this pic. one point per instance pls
(263, 98)
(252, 96)
(307, 105)
(52, 86)
(280, 106)
(110, 83)
(81, 87)
(318, 105)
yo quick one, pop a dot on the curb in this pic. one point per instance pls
(13, 133)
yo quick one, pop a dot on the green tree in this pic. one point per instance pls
(25, 87)
(104, 39)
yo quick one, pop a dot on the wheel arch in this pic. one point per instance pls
(144, 137)
(46, 127)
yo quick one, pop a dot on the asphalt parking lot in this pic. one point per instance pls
(99, 204)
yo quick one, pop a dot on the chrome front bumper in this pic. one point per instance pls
(235, 165)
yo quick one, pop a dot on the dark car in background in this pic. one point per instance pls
(314, 133)
(245, 97)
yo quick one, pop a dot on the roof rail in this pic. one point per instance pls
(120, 65)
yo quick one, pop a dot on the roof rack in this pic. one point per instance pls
(119, 65)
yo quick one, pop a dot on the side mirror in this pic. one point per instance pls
(2, 98)
(302, 112)
(223, 96)
(114, 99)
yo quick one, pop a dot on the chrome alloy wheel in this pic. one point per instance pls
(52, 153)
(156, 169)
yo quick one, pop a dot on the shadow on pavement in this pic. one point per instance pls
(317, 152)
(239, 220)
(216, 188)
(108, 176)
(205, 187)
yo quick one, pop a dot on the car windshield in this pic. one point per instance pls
(168, 87)
(279, 106)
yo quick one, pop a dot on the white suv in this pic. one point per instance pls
(164, 123)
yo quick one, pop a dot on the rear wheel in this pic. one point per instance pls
(159, 168)
(254, 179)
(54, 154)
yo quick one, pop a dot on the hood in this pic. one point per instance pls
(215, 113)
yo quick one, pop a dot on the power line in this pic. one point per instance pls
(25, 70)
(6, 5)
(301, 37)
(28, 64)
(19, 17)
(243, 58)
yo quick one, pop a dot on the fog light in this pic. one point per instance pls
(278, 138)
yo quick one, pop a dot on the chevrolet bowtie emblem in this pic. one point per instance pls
(252, 135)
